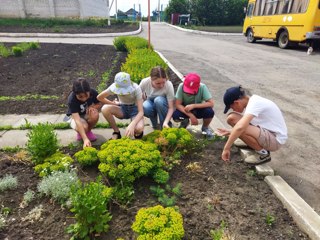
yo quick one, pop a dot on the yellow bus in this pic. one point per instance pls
(284, 21)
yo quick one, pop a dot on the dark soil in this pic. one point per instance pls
(124, 27)
(51, 70)
(212, 193)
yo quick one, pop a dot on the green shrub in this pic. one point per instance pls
(17, 51)
(58, 185)
(139, 63)
(167, 197)
(4, 51)
(8, 182)
(87, 157)
(120, 43)
(158, 223)
(56, 162)
(34, 45)
(89, 203)
(125, 160)
(42, 142)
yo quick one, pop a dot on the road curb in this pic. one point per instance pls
(70, 35)
(304, 216)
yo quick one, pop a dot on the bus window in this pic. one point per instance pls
(299, 6)
(283, 6)
(250, 10)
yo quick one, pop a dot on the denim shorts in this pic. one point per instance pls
(129, 111)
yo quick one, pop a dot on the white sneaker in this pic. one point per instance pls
(257, 159)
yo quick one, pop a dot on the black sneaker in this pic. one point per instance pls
(257, 159)
(139, 136)
(184, 123)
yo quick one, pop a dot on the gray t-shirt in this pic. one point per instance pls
(147, 89)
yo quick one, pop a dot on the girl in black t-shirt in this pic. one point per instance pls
(83, 107)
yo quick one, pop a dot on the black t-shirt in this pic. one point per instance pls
(75, 106)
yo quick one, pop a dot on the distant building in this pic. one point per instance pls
(133, 14)
(53, 8)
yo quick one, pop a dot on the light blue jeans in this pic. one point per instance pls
(154, 107)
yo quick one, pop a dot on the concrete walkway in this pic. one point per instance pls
(305, 217)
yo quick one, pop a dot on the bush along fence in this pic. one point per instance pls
(120, 163)
(140, 59)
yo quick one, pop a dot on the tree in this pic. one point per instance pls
(177, 6)
(218, 12)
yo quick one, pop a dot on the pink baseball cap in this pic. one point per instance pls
(191, 83)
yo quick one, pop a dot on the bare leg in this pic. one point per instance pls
(109, 111)
(206, 122)
(250, 135)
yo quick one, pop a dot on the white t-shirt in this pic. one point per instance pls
(151, 92)
(130, 98)
(268, 116)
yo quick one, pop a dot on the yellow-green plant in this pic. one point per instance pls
(125, 160)
(139, 63)
(56, 162)
(130, 43)
(87, 157)
(133, 43)
(89, 203)
(158, 223)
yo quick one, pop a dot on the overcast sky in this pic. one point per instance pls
(125, 5)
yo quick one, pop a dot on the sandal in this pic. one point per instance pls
(139, 136)
(115, 136)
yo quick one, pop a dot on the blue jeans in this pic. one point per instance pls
(154, 107)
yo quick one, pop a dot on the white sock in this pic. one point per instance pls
(262, 152)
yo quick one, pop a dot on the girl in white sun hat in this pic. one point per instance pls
(129, 105)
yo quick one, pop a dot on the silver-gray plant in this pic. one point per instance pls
(58, 185)
(8, 182)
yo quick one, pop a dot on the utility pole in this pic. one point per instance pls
(158, 10)
(108, 13)
(149, 24)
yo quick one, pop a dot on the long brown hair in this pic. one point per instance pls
(158, 72)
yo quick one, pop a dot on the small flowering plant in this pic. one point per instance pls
(158, 223)
(56, 162)
(172, 143)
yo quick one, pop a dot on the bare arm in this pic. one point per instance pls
(138, 117)
(102, 97)
(169, 114)
(81, 130)
(236, 131)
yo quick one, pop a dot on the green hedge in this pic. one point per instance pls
(140, 62)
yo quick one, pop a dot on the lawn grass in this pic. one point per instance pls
(222, 29)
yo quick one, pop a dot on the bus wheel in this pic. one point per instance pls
(250, 36)
(283, 40)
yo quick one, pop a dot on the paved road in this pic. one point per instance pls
(291, 78)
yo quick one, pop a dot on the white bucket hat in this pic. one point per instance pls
(122, 84)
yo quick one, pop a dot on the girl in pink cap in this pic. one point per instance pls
(194, 101)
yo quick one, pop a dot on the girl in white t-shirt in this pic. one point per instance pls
(158, 96)
(128, 105)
